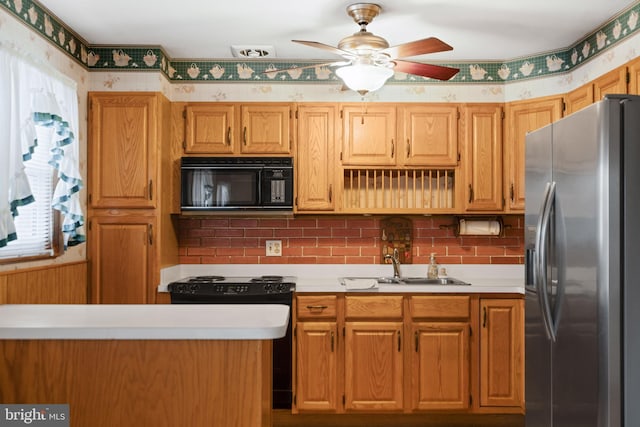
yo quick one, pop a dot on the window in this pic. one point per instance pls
(36, 222)
(40, 210)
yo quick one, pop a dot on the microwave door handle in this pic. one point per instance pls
(260, 184)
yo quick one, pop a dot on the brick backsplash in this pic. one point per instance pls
(338, 240)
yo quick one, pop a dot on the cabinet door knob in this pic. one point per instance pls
(244, 135)
(408, 148)
(399, 341)
(470, 193)
(229, 135)
(393, 148)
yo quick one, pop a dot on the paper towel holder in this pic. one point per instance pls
(492, 226)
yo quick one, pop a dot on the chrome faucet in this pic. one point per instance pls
(395, 260)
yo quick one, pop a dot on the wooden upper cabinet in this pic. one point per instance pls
(633, 69)
(315, 161)
(429, 135)
(578, 98)
(266, 128)
(502, 353)
(123, 135)
(523, 117)
(614, 82)
(481, 126)
(210, 129)
(369, 135)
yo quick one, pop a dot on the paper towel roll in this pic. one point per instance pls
(479, 227)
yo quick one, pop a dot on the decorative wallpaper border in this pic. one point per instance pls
(153, 58)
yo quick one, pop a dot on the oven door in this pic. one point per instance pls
(219, 187)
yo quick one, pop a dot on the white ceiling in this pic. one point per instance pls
(477, 30)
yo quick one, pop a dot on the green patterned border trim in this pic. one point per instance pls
(153, 58)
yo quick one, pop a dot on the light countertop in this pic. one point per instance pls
(144, 322)
(483, 278)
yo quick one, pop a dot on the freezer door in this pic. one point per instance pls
(631, 273)
(537, 345)
(580, 144)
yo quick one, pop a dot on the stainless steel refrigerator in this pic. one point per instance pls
(582, 242)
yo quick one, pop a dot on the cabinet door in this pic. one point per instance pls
(578, 99)
(482, 135)
(614, 82)
(430, 135)
(440, 366)
(523, 117)
(369, 135)
(316, 366)
(373, 366)
(122, 150)
(633, 69)
(501, 352)
(266, 129)
(121, 259)
(315, 160)
(209, 129)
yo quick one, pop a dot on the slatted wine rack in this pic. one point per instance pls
(385, 190)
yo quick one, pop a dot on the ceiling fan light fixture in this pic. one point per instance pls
(364, 78)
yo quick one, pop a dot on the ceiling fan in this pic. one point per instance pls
(369, 61)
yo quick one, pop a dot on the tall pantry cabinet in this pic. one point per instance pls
(130, 235)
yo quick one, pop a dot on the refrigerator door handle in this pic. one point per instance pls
(541, 259)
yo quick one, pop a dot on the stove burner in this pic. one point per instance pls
(267, 279)
(207, 279)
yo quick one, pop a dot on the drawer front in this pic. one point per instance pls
(387, 307)
(316, 306)
(440, 307)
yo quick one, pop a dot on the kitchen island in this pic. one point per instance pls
(142, 365)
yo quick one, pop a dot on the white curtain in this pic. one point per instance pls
(33, 95)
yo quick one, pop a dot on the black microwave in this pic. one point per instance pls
(236, 184)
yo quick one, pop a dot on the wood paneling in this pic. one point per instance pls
(152, 383)
(53, 284)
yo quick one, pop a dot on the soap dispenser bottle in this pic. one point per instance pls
(432, 272)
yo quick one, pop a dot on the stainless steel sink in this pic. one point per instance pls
(380, 280)
(425, 281)
(409, 280)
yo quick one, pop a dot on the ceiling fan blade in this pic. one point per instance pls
(324, 64)
(324, 47)
(418, 47)
(425, 70)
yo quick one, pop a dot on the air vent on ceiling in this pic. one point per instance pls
(254, 52)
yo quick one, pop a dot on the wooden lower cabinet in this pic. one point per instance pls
(440, 366)
(408, 354)
(317, 361)
(502, 353)
(373, 366)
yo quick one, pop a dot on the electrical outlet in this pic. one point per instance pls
(274, 248)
